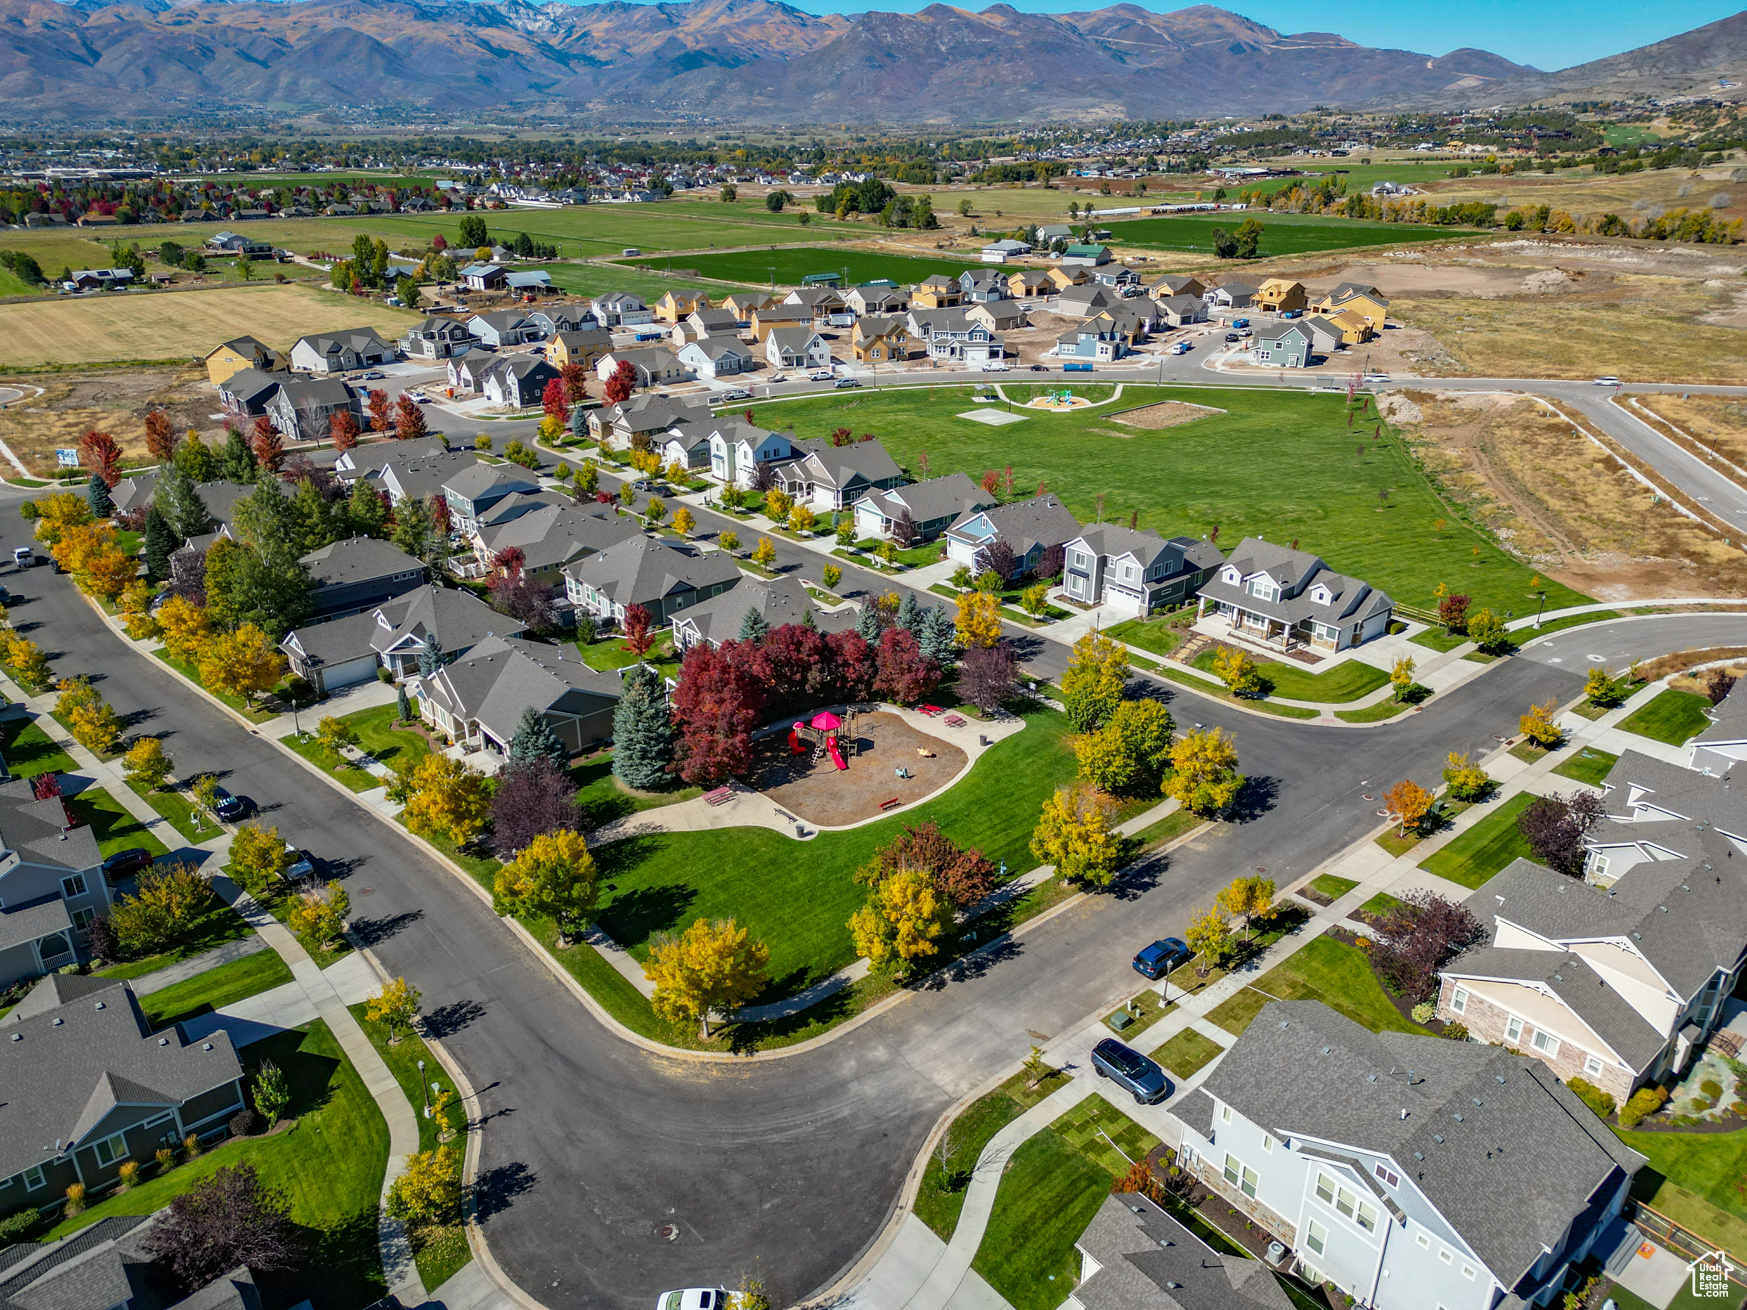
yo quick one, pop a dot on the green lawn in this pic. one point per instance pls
(1439, 640)
(309, 746)
(379, 738)
(330, 1163)
(1379, 905)
(441, 1253)
(1332, 886)
(602, 799)
(940, 1199)
(1282, 234)
(1326, 970)
(798, 897)
(28, 750)
(216, 988)
(609, 653)
(1281, 465)
(175, 806)
(1671, 717)
(1186, 1054)
(754, 267)
(600, 279)
(1588, 765)
(1138, 1014)
(1054, 1185)
(1159, 635)
(1694, 1179)
(216, 925)
(1485, 848)
(1347, 681)
(1167, 829)
(114, 826)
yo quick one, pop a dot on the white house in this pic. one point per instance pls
(1277, 595)
(621, 309)
(796, 347)
(715, 357)
(653, 364)
(828, 478)
(1027, 527)
(919, 512)
(999, 252)
(738, 449)
(338, 352)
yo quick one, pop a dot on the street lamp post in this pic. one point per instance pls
(427, 1093)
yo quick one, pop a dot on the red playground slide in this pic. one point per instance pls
(836, 757)
(795, 747)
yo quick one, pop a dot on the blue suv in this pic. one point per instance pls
(1161, 957)
(1130, 1069)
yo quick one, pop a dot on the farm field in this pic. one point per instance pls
(177, 325)
(1280, 466)
(1284, 234)
(598, 279)
(791, 265)
(1359, 176)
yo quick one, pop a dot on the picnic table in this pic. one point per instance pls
(718, 796)
(929, 710)
(954, 721)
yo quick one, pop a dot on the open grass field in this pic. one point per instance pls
(330, 1163)
(798, 899)
(177, 326)
(599, 279)
(754, 267)
(1672, 717)
(1281, 466)
(1359, 176)
(1485, 848)
(1326, 970)
(1283, 234)
(1694, 1179)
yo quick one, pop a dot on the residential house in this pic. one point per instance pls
(517, 382)
(921, 511)
(111, 1263)
(581, 346)
(1114, 275)
(1276, 595)
(230, 357)
(336, 352)
(245, 392)
(369, 459)
(1284, 343)
(1654, 810)
(479, 698)
(1280, 294)
(687, 446)
(1231, 294)
(1180, 310)
(828, 478)
(676, 304)
(86, 1085)
(345, 652)
(705, 323)
(303, 408)
(999, 315)
(1135, 1256)
(503, 327)
(738, 450)
(1030, 283)
(880, 339)
(1411, 1172)
(661, 577)
(621, 309)
(232, 243)
(1176, 284)
(436, 338)
(1098, 340)
(937, 291)
(716, 357)
(973, 344)
(1359, 298)
(550, 536)
(1055, 232)
(483, 277)
(877, 299)
(51, 884)
(1135, 573)
(424, 475)
(358, 575)
(778, 601)
(999, 252)
(554, 319)
(654, 365)
(1620, 985)
(741, 304)
(467, 371)
(981, 285)
(1062, 278)
(133, 492)
(1027, 527)
(1085, 256)
(474, 489)
(796, 347)
(647, 416)
(1085, 300)
(768, 318)
(1720, 746)
(826, 303)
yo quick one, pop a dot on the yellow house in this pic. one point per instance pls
(227, 360)
(878, 340)
(676, 305)
(1063, 278)
(1358, 298)
(742, 303)
(1354, 327)
(767, 318)
(1280, 294)
(584, 347)
(937, 291)
(1030, 282)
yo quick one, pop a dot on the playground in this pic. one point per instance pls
(832, 770)
(1059, 400)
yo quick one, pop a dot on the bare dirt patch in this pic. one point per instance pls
(1168, 414)
(108, 400)
(821, 793)
(1561, 503)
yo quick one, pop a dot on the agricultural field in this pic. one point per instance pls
(1283, 466)
(1284, 234)
(789, 266)
(598, 279)
(177, 325)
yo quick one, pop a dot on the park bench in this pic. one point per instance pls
(718, 796)
(891, 804)
(954, 721)
(929, 710)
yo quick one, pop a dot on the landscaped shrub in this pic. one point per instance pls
(15, 1226)
(1424, 1011)
(1592, 1096)
(75, 1200)
(246, 1123)
(129, 1174)
(1644, 1103)
(166, 1159)
(1456, 1032)
(1712, 1089)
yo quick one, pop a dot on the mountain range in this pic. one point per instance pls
(737, 61)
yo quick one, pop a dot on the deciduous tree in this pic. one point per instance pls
(1401, 674)
(1486, 630)
(639, 634)
(1209, 936)
(259, 859)
(161, 435)
(1077, 834)
(1554, 827)
(532, 796)
(343, 431)
(243, 663)
(377, 404)
(622, 383)
(903, 920)
(335, 735)
(979, 620)
(320, 914)
(1407, 803)
(267, 443)
(99, 452)
(1467, 780)
(229, 1219)
(552, 877)
(167, 901)
(1237, 671)
(961, 874)
(147, 763)
(409, 420)
(1204, 775)
(710, 966)
(1251, 897)
(904, 674)
(1130, 753)
(988, 676)
(1538, 725)
(449, 799)
(87, 716)
(1453, 612)
(186, 626)
(1093, 683)
(394, 1007)
(428, 1190)
(1418, 937)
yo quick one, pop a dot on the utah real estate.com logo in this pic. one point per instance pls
(1711, 1273)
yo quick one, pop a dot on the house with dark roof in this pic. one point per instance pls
(303, 408)
(920, 511)
(1654, 810)
(472, 490)
(133, 492)
(478, 699)
(516, 381)
(1176, 284)
(1233, 293)
(337, 352)
(503, 327)
(1722, 745)
(645, 416)
(436, 338)
(1134, 1256)
(582, 346)
(424, 474)
(358, 574)
(1027, 527)
(368, 459)
(1284, 344)
(245, 391)
(653, 365)
(110, 1264)
(937, 291)
(1618, 986)
(1276, 595)
(467, 368)
(738, 450)
(686, 446)
(1407, 1170)
(86, 1085)
(879, 338)
(1085, 300)
(551, 537)
(999, 315)
(554, 319)
(51, 884)
(828, 478)
(238, 353)
(1180, 310)
(777, 601)
(1135, 573)
(661, 577)
(344, 652)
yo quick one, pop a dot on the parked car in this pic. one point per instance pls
(1240, 322)
(1607, 382)
(1181, 348)
(374, 375)
(693, 1298)
(820, 375)
(537, 350)
(301, 865)
(1040, 368)
(842, 383)
(1246, 332)
(23, 557)
(1161, 957)
(993, 366)
(643, 484)
(231, 808)
(1232, 336)
(123, 863)
(739, 393)
(1128, 1068)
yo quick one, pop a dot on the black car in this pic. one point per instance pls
(1040, 368)
(123, 863)
(1130, 1069)
(1232, 336)
(230, 808)
(1161, 957)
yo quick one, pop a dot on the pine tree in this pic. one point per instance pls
(237, 464)
(753, 627)
(365, 513)
(910, 615)
(535, 739)
(807, 618)
(98, 498)
(161, 543)
(430, 656)
(939, 637)
(315, 520)
(642, 731)
(179, 499)
(868, 625)
(402, 705)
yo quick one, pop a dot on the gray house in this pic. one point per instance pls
(1654, 810)
(473, 490)
(424, 475)
(1134, 1256)
(930, 507)
(478, 699)
(86, 1086)
(348, 577)
(51, 885)
(1722, 745)
(436, 338)
(503, 327)
(778, 601)
(1028, 527)
(1135, 573)
(517, 382)
(344, 652)
(662, 578)
(303, 409)
(110, 1264)
(552, 536)
(828, 478)
(336, 352)
(1274, 594)
(1284, 345)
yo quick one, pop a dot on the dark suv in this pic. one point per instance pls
(1161, 957)
(1130, 1069)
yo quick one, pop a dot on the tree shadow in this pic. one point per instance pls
(133, 718)
(1140, 877)
(639, 914)
(973, 965)
(617, 858)
(448, 1019)
(373, 932)
(496, 1190)
(1254, 799)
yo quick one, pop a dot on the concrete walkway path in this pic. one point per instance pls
(171, 974)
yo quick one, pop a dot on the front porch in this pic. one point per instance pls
(1303, 641)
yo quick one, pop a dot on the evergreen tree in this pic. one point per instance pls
(273, 587)
(98, 498)
(315, 518)
(365, 513)
(195, 458)
(534, 739)
(179, 499)
(807, 618)
(753, 627)
(939, 637)
(237, 464)
(402, 705)
(868, 625)
(642, 731)
(161, 543)
(910, 615)
(430, 656)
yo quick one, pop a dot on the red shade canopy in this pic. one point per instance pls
(826, 719)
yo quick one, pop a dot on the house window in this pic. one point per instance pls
(1468, 1272)
(1240, 1174)
(1388, 1175)
(1225, 1114)
(82, 917)
(1598, 866)
(1591, 1065)
(1267, 1144)
(111, 1150)
(73, 885)
(1459, 1000)
(1445, 1255)
(1425, 1242)
(34, 1179)
(1367, 1216)
(1513, 1029)
(157, 1119)
(1546, 1043)
(1316, 1237)
(1325, 1189)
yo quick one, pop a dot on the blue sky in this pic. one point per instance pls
(1544, 33)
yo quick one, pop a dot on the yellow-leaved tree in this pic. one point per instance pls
(1092, 685)
(147, 763)
(448, 799)
(1407, 803)
(1237, 671)
(1204, 776)
(1251, 897)
(710, 966)
(554, 877)
(1130, 753)
(683, 522)
(429, 1190)
(394, 1007)
(243, 663)
(905, 916)
(57, 513)
(88, 717)
(320, 914)
(1468, 781)
(186, 627)
(1077, 834)
(979, 620)
(136, 611)
(1538, 726)
(259, 859)
(1209, 936)
(167, 901)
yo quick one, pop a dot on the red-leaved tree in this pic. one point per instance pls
(343, 428)
(965, 875)
(377, 404)
(268, 445)
(575, 378)
(639, 632)
(409, 419)
(715, 707)
(161, 435)
(554, 401)
(99, 453)
(852, 665)
(533, 796)
(905, 674)
(1418, 937)
(622, 383)
(229, 1219)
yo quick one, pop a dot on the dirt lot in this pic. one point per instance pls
(820, 793)
(110, 400)
(1168, 414)
(1558, 501)
(1714, 421)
